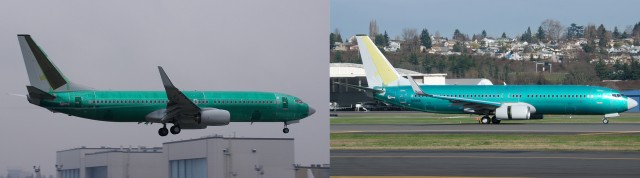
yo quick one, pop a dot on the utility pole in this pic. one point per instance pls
(37, 170)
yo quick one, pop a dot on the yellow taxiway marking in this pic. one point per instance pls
(493, 157)
(403, 177)
(349, 131)
(610, 133)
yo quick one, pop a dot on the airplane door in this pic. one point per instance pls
(77, 102)
(285, 103)
(402, 97)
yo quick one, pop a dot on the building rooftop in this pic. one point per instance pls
(357, 70)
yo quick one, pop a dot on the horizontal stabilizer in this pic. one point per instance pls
(369, 91)
(36, 93)
(416, 89)
(360, 87)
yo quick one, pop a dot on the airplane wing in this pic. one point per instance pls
(179, 105)
(475, 105)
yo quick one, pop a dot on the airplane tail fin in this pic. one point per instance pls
(43, 74)
(378, 69)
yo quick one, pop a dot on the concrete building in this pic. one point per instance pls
(135, 162)
(469, 81)
(218, 157)
(207, 157)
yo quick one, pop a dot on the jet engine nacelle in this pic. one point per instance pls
(214, 117)
(514, 111)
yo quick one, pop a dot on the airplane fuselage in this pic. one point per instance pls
(134, 106)
(547, 99)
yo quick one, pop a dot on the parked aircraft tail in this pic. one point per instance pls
(378, 69)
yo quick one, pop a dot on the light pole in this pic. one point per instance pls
(59, 168)
(37, 170)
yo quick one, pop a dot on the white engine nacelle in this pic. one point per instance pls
(514, 111)
(214, 117)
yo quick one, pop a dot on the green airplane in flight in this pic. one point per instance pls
(50, 89)
(494, 102)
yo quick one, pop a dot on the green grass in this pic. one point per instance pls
(537, 142)
(430, 118)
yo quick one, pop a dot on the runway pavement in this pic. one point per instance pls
(484, 163)
(547, 128)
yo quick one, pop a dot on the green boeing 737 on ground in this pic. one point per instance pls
(50, 89)
(493, 102)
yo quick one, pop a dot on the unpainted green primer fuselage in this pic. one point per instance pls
(133, 106)
(547, 99)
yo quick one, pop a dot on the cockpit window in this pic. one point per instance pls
(299, 101)
(617, 95)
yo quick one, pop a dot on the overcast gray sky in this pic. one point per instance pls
(253, 45)
(471, 17)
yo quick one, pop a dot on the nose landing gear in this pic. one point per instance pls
(285, 130)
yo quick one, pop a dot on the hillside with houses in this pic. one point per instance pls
(548, 54)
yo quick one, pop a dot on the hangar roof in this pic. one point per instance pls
(357, 70)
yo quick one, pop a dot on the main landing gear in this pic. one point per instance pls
(163, 131)
(285, 130)
(175, 129)
(605, 120)
(489, 120)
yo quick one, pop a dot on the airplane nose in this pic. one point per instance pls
(311, 111)
(631, 103)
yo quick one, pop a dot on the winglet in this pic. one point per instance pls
(415, 87)
(165, 79)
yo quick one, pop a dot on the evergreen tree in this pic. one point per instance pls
(504, 35)
(526, 36)
(427, 64)
(601, 70)
(386, 38)
(413, 59)
(634, 70)
(332, 41)
(575, 31)
(425, 38)
(338, 57)
(484, 34)
(380, 41)
(458, 36)
(541, 35)
(616, 33)
(602, 36)
(457, 47)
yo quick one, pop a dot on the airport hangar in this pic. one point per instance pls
(354, 74)
(206, 157)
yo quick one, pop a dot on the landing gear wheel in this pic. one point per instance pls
(605, 121)
(285, 130)
(494, 120)
(163, 131)
(485, 120)
(175, 129)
